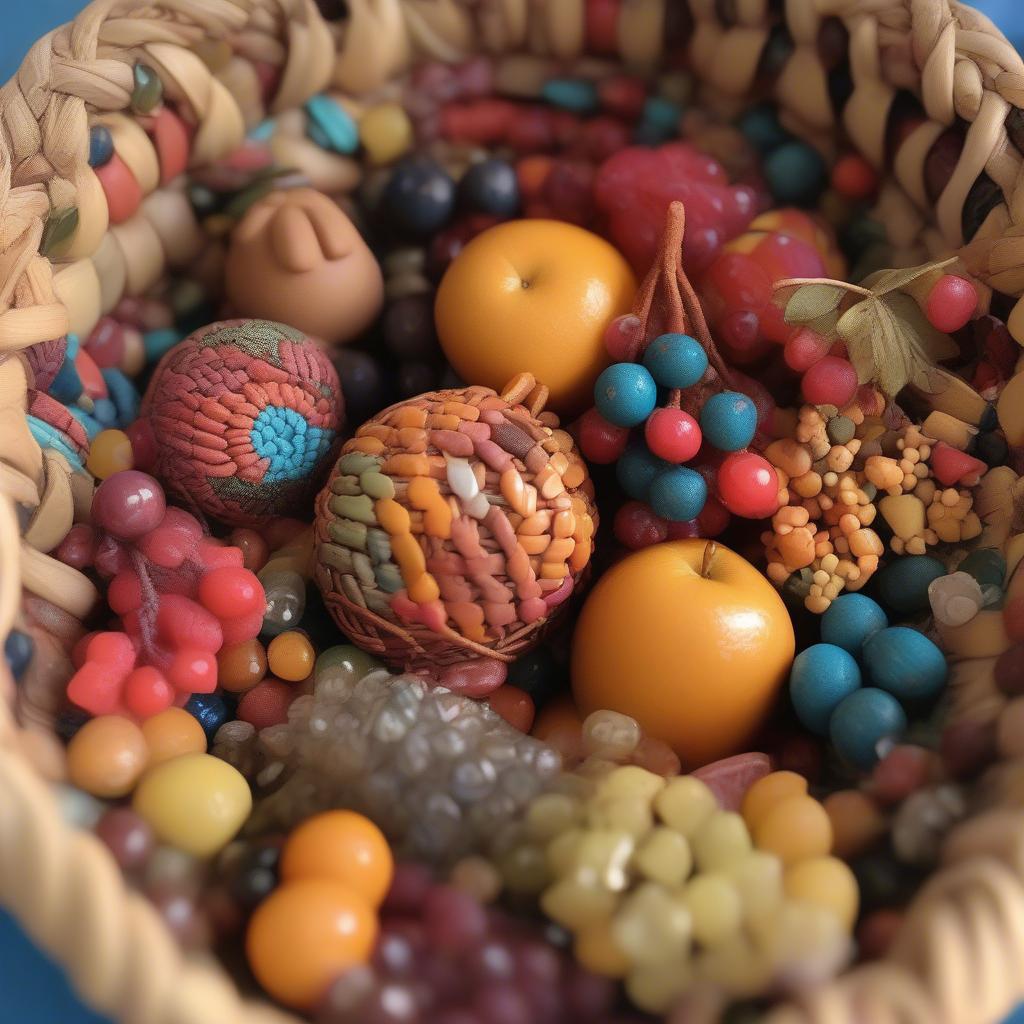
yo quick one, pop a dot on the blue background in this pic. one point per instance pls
(33, 990)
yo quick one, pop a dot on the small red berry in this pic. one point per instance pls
(600, 441)
(853, 177)
(951, 303)
(672, 435)
(830, 381)
(748, 485)
(636, 526)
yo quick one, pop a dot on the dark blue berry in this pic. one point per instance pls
(491, 186)
(210, 711)
(101, 145)
(18, 649)
(420, 197)
(991, 448)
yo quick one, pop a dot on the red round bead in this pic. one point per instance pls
(830, 381)
(804, 348)
(147, 692)
(748, 486)
(672, 435)
(600, 441)
(230, 592)
(193, 671)
(951, 303)
(636, 526)
(853, 177)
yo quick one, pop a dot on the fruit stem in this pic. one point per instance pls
(710, 550)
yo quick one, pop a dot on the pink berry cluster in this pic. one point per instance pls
(180, 596)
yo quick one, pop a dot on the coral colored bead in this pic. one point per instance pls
(672, 435)
(306, 934)
(173, 733)
(748, 485)
(951, 303)
(147, 692)
(600, 442)
(291, 656)
(121, 189)
(255, 550)
(241, 666)
(230, 592)
(794, 829)
(90, 375)
(171, 141)
(109, 453)
(107, 756)
(193, 670)
(266, 704)
(830, 381)
(515, 706)
(343, 846)
(853, 177)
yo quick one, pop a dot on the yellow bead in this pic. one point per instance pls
(620, 813)
(758, 880)
(173, 733)
(386, 133)
(685, 804)
(764, 794)
(632, 782)
(550, 815)
(291, 656)
(596, 951)
(715, 908)
(826, 882)
(664, 856)
(656, 987)
(652, 925)
(721, 841)
(196, 803)
(575, 905)
(109, 453)
(794, 829)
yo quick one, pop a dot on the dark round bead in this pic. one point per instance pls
(536, 673)
(128, 836)
(69, 722)
(991, 448)
(362, 384)
(18, 650)
(148, 91)
(409, 327)
(253, 876)
(885, 881)
(204, 200)
(210, 711)
(420, 197)
(101, 145)
(491, 186)
(414, 377)
(989, 418)
(185, 921)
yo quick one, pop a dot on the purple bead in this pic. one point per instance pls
(128, 836)
(409, 889)
(502, 1004)
(454, 920)
(129, 504)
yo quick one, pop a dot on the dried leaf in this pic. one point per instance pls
(882, 282)
(811, 302)
(935, 346)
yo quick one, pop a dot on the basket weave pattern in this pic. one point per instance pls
(957, 958)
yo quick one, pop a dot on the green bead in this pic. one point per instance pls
(376, 484)
(60, 226)
(148, 91)
(354, 506)
(986, 565)
(355, 462)
(239, 205)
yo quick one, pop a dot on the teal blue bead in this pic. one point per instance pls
(101, 145)
(986, 565)
(662, 113)
(636, 470)
(49, 437)
(676, 360)
(861, 721)
(822, 676)
(728, 421)
(678, 494)
(18, 650)
(157, 342)
(264, 131)
(575, 94)
(850, 619)
(331, 127)
(906, 664)
(210, 710)
(796, 173)
(123, 394)
(760, 126)
(90, 423)
(66, 386)
(625, 394)
(902, 585)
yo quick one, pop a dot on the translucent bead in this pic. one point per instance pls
(552, 814)
(286, 601)
(622, 813)
(664, 856)
(602, 856)
(722, 840)
(955, 599)
(715, 907)
(575, 905)
(685, 804)
(610, 734)
(472, 780)
(653, 926)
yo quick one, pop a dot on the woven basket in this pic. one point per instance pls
(958, 956)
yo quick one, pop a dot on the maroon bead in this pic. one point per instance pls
(967, 745)
(1009, 671)
(128, 837)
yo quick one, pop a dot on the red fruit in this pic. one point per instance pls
(672, 435)
(683, 530)
(245, 627)
(81, 646)
(266, 703)
(636, 526)
(735, 282)
(739, 332)
(748, 486)
(804, 348)
(853, 177)
(951, 466)
(111, 557)
(1013, 618)
(830, 381)
(124, 593)
(951, 303)
(147, 692)
(231, 592)
(714, 518)
(111, 648)
(193, 671)
(96, 688)
(181, 622)
(622, 337)
(218, 554)
(600, 441)
(173, 541)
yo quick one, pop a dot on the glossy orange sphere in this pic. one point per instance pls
(534, 296)
(304, 935)
(173, 733)
(107, 756)
(343, 846)
(690, 640)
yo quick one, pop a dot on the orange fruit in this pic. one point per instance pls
(534, 296)
(172, 733)
(689, 639)
(107, 756)
(304, 935)
(342, 846)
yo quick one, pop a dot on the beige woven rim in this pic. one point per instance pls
(958, 956)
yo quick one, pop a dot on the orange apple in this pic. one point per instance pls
(534, 296)
(690, 640)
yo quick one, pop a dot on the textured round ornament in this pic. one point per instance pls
(243, 414)
(455, 526)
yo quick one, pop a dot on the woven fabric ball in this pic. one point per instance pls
(454, 526)
(243, 414)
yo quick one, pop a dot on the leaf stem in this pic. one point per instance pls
(797, 282)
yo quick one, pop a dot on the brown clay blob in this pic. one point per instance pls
(296, 258)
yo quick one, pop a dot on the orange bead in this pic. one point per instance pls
(109, 453)
(304, 935)
(241, 666)
(107, 756)
(766, 792)
(343, 846)
(172, 733)
(795, 829)
(255, 550)
(857, 822)
(514, 705)
(853, 177)
(291, 656)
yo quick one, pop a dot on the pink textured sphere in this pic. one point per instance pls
(243, 415)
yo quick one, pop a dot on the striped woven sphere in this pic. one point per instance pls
(455, 526)
(244, 414)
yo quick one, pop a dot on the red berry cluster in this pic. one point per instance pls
(180, 595)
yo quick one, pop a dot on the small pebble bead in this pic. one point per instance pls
(18, 648)
(625, 394)
(101, 145)
(343, 846)
(721, 841)
(195, 803)
(821, 677)
(107, 756)
(904, 769)
(148, 89)
(715, 908)
(685, 804)
(291, 656)
(861, 721)
(905, 663)
(903, 583)
(850, 620)
(241, 666)
(676, 360)
(286, 600)
(857, 822)
(766, 792)
(128, 836)
(826, 882)
(304, 935)
(253, 874)
(109, 453)
(491, 186)
(255, 550)
(343, 664)
(760, 125)
(172, 733)
(795, 828)
(386, 133)
(729, 421)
